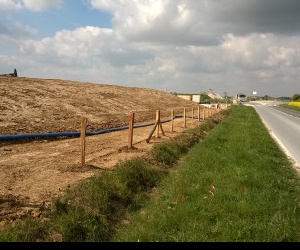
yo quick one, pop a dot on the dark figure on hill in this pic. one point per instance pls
(15, 74)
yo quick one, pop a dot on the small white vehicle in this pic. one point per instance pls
(241, 98)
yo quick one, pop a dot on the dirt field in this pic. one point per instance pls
(33, 173)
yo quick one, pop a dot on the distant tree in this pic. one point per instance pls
(284, 98)
(15, 73)
(205, 97)
(266, 97)
(296, 97)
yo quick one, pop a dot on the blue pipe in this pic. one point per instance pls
(37, 136)
(72, 134)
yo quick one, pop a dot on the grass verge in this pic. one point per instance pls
(256, 197)
(165, 195)
(287, 106)
(93, 211)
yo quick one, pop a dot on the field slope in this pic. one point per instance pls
(35, 172)
(30, 105)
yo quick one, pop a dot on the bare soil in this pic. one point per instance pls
(32, 173)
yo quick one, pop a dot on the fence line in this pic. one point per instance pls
(156, 129)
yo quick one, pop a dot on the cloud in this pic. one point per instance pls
(180, 45)
(32, 5)
(257, 56)
(262, 51)
(78, 46)
(16, 29)
(256, 16)
(12, 33)
(160, 21)
(7, 5)
(200, 22)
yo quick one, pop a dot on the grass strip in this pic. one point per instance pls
(287, 106)
(257, 197)
(165, 196)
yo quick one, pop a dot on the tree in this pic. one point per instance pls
(296, 97)
(205, 98)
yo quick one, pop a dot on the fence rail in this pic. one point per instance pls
(186, 114)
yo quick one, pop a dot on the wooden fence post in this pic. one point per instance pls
(158, 122)
(193, 113)
(83, 140)
(151, 134)
(199, 113)
(172, 121)
(184, 118)
(156, 128)
(130, 134)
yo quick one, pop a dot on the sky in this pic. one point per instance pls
(182, 46)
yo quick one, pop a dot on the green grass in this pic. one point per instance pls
(287, 106)
(93, 211)
(164, 196)
(257, 191)
(28, 230)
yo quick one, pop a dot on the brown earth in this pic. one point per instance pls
(32, 173)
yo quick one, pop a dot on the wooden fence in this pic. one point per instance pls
(202, 114)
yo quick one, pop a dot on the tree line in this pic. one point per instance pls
(296, 97)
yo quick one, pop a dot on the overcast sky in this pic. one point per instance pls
(183, 46)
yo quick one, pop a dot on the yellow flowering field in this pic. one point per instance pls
(295, 104)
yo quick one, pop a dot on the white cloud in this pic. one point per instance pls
(41, 5)
(78, 46)
(8, 5)
(33, 5)
(260, 51)
(161, 21)
(257, 57)
(181, 45)
(200, 22)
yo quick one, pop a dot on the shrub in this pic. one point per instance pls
(296, 97)
(166, 154)
(28, 230)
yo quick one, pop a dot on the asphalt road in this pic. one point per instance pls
(284, 126)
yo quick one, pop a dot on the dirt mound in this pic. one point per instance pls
(36, 172)
(30, 106)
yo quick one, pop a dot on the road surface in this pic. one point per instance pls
(284, 126)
